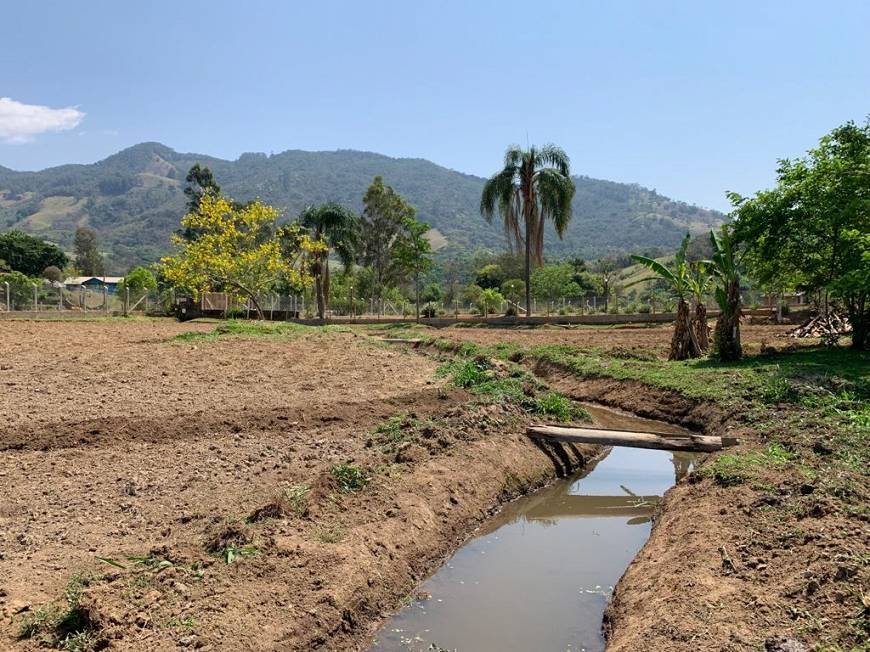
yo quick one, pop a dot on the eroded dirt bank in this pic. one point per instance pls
(232, 494)
(773, 563)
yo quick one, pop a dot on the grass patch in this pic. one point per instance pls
(520, 388)
(731, 469)
(395, 431)
(559, 408)
(334, 533)
(66, 628)
(242, 328)
(350, 477)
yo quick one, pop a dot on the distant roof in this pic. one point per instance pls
(81, 280)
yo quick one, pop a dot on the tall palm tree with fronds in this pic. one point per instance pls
(535, 186)
(339, 229)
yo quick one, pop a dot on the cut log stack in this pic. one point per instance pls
(822, 326)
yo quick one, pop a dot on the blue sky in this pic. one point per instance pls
(691, 98)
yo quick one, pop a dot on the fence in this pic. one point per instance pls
(52, 300)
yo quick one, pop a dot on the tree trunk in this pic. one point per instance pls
(702, 333)
(318, 289)
(528, 271)
(325, 287)
(417, 293)
(683, 343)
(859, 318)
(727, 335)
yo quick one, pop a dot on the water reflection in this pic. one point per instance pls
(538, 575)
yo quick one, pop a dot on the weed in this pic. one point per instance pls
(332, 534)
(466, 373)
(68, 628)
(233, 552)
(394, 431)
(40, 620)
(297, 498)
(558, 407)
(179, 622)
(350, 477)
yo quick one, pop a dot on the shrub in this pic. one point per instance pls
(350, 478)
(20, 289)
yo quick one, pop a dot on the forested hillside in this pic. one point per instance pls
(134, 199)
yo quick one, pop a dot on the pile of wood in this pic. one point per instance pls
(822, 326)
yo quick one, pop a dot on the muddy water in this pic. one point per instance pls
(539, 574)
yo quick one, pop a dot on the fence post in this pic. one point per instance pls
(106, 299)
(126, 301)
(60, 299)
(7, 296)
(35, 298)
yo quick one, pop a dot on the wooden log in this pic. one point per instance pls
(399, 340)
(658, 441)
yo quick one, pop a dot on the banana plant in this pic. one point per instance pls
(679, 279)
(725, 265)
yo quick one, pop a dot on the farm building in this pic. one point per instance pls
(93, 282)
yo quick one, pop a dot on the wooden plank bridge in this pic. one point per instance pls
(609, 437)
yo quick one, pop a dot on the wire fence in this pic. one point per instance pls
(95, 301)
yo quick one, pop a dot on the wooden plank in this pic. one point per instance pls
(658, 441)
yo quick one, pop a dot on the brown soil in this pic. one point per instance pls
(646, 339)
(732, 568)
(118, 442)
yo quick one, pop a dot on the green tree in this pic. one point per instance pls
(29, 255)
(20, 289)
(605, 269)
(200, 180)
(53, 273)
(554, 282)
(384, 219)
(88, 259)
(489, 276)
(339, 229)
(489, 301)
(513, 289)
(139, 281)
(534, 187)
(684, 343)
(240, 250)
(412, 253)
(812, 227)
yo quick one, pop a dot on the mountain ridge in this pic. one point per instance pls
(134, 199)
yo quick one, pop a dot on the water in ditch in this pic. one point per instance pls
(538, 575)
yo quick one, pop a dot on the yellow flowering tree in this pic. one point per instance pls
(239, 248)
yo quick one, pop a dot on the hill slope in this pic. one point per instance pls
(134, 199)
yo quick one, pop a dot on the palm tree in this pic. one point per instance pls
(534, 186)
(684, 343)
(726, 267)
(339, 228)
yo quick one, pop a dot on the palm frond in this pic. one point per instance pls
(553, 156)
(660, 270)
(555, 192)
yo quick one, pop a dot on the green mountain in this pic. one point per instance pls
(134, 199)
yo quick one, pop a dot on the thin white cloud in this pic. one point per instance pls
(20, 123)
